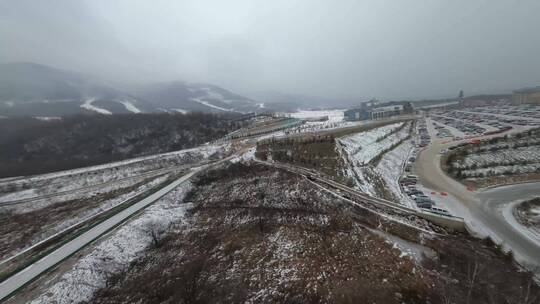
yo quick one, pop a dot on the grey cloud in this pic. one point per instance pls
(360, 49)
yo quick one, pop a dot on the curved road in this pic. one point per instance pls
(483, 210)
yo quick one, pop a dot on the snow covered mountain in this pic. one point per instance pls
(38, 90)
(182, 97)
(30, 89)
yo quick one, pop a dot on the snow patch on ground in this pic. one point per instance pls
(204, 151)
(206, 103)
(247, 156)
(359, 149)
(115, 252)
(130, 107)
(390, 169)
(48, 118)
(365, 146)
(211, 94)
(508, 215)
(89, 106)
(81, 216)
(415, 251)
(180, 110)
(23, 194)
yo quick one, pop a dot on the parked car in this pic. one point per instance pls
(424, 200)
(440, 211)
(424, 205)
(408, 180)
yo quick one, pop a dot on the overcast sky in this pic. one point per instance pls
(384, 49)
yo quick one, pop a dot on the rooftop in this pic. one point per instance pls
(388, 108)
(528, 90)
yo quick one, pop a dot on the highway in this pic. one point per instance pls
(482, 213)
(18, 280)
(467, 204)
(147, 174)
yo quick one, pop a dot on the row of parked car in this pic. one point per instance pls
(442, 131)
(408, 182)
(465, 127)
(425, 139)
(523, 111)
(484, 119)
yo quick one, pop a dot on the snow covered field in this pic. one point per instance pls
(109, 187)
(381, 179)
(25, 188)
(54, 223)
(363, 147)
(390, 169)
(90, 107)
(208, 104)
(112, 255)
(130, 106)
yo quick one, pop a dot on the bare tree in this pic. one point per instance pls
(472, 277)
(529, 296)
(156, 230)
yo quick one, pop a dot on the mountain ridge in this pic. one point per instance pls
(32, 89)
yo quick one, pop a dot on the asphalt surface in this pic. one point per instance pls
(21, 278)
(481, 210)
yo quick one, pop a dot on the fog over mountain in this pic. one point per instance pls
(332, 49)
(30, 89)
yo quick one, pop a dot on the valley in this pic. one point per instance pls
(272, 191)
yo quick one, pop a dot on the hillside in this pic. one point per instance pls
(189, 97)
(30, 89)
(253, 234)
(32, 146)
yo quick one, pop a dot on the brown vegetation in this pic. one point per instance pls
(30, 146)
(260, 235)
(18, 230)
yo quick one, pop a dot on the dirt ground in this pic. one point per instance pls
(261, 235)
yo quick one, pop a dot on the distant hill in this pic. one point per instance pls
(182, 96)
(33, 146)
(37, 90)
(30, 89)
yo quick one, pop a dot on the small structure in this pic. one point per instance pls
(526, 95)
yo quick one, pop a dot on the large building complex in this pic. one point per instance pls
(527, 95)
(372, 110)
